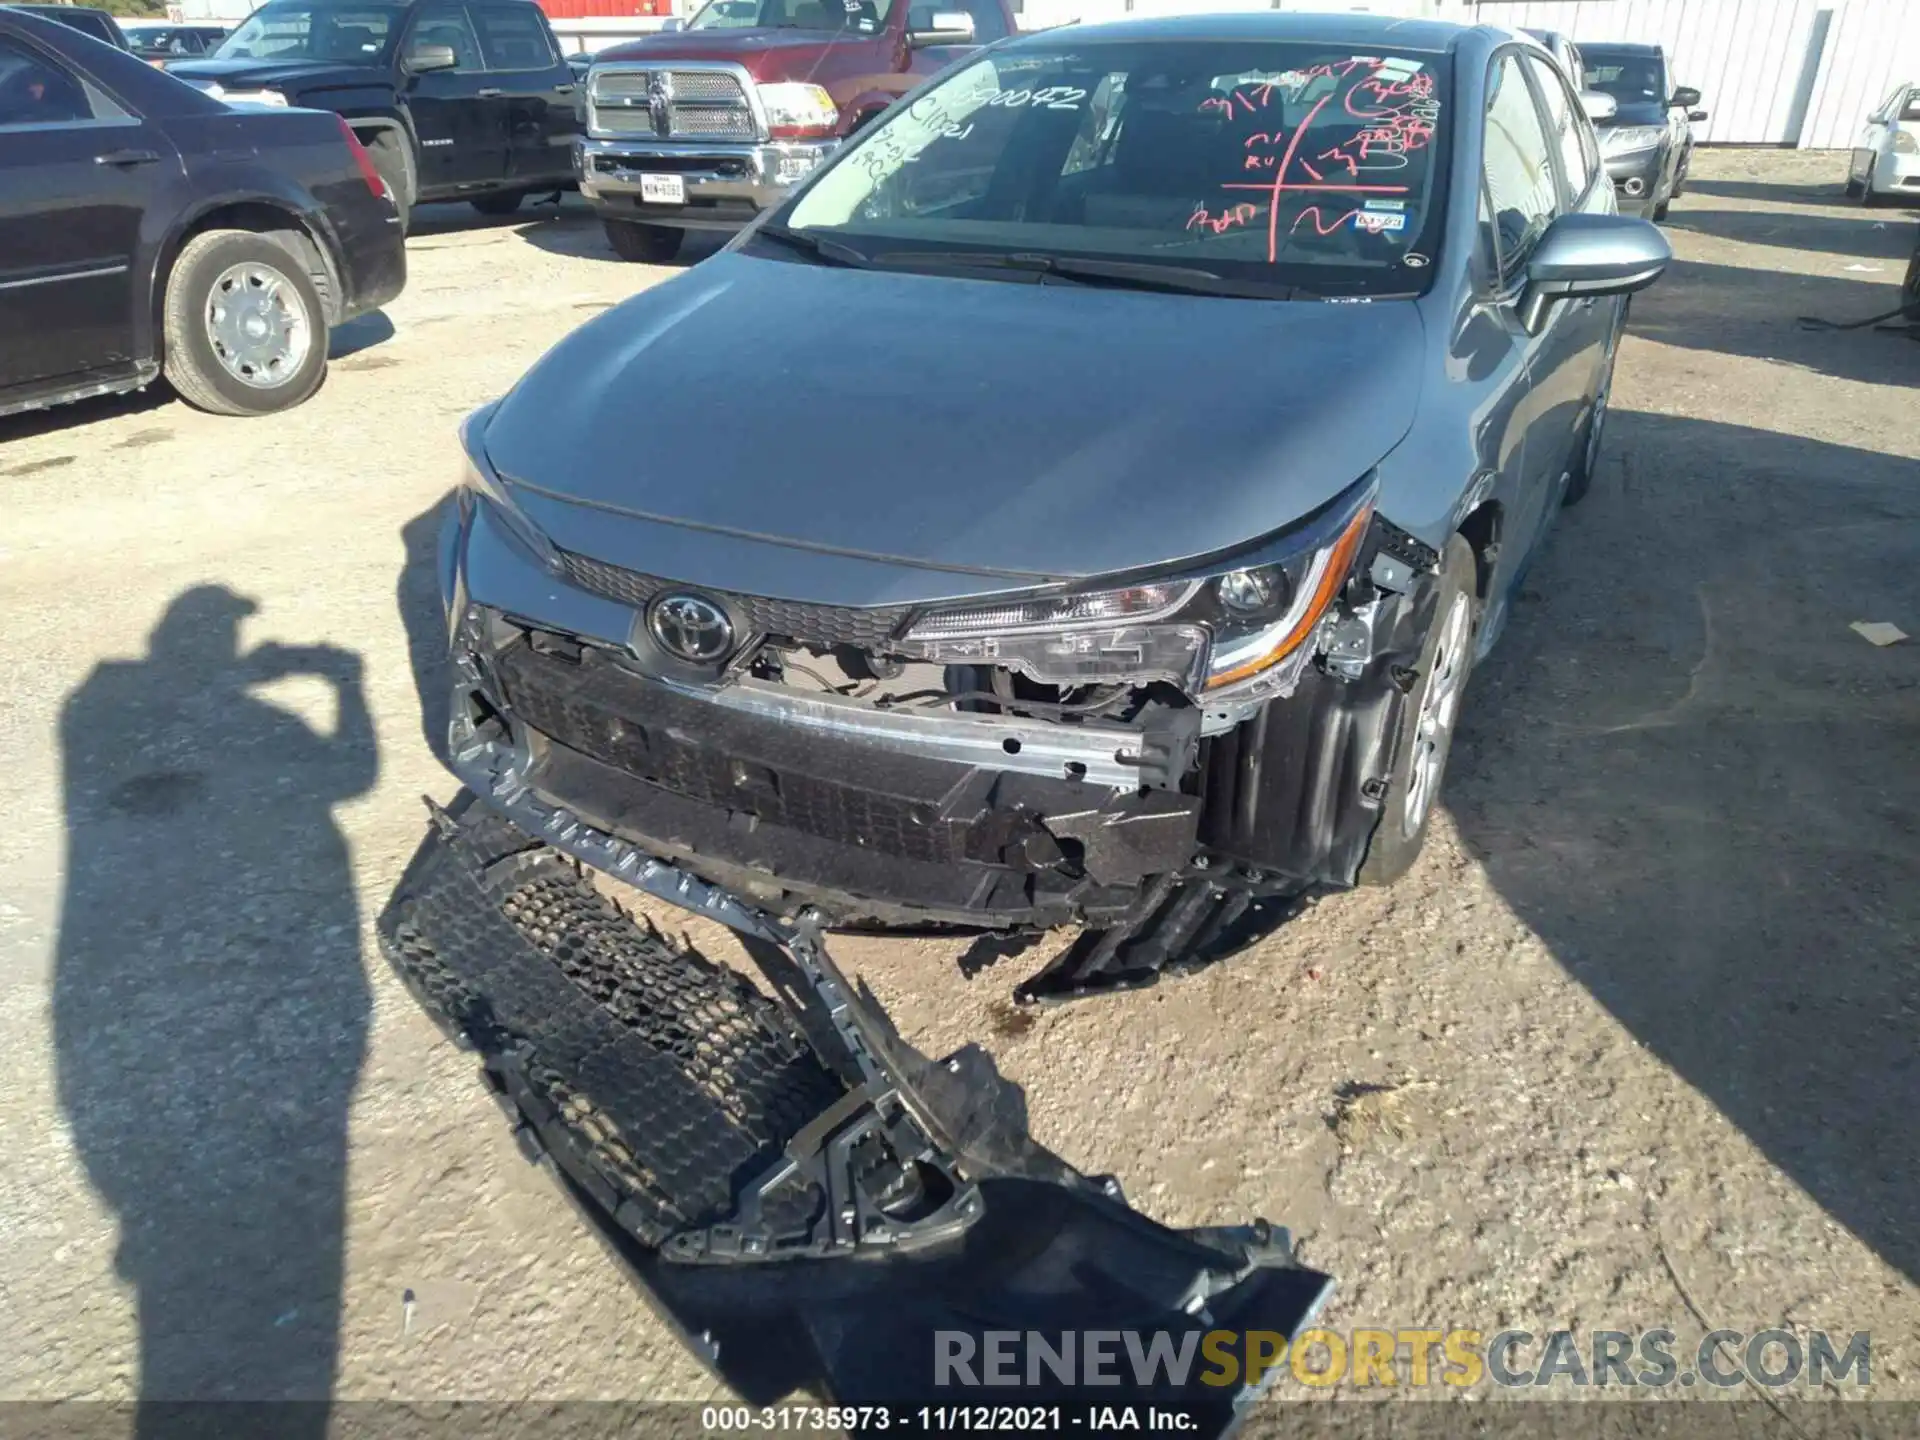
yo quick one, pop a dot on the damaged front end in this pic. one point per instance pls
(1166, 760)
(811, 1203)
(1171, 762)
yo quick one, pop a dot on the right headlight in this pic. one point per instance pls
(797, 111)
(1220, 633)
(483, 486)
(1624, 139)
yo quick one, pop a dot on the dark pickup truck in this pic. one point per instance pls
(703, 128)
(455, 101)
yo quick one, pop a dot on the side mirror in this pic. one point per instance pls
(424, 59)
(1685, 98)
(943, 27)
(1587, 255)
(1696, 114)
(672, 26)
(1599, 105)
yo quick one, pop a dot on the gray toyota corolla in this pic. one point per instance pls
(1083, 502)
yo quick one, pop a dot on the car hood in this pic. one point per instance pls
(271, 74)
(1637, 112)
(1042, 432)
(757, 49)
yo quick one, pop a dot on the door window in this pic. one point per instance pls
(448, 25)
(35, 90)
(512, 38)
(1579, 155)
(1519, 165)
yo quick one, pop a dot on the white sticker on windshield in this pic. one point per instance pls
(1377, 222)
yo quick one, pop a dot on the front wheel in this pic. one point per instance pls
(498, 204)
(245, 332)
(643, 244)
(1427, 723)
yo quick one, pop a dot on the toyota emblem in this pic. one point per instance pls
(690, 627)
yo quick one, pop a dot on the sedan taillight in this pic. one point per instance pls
(362, 159)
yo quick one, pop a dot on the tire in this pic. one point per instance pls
(498, 204)
(1402, 831)
(1660, 209)
(270, 280)
(643, 244)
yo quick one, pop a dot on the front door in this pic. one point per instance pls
(457, 111)
(536, 88)
(76, 174)
(1521, 195)
(1571, 353)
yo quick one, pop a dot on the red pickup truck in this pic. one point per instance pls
(704, 127)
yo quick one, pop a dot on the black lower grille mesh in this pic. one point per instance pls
(579, 715)
(824, 626)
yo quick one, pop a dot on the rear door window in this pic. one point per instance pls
(512, 38)
(36, 90)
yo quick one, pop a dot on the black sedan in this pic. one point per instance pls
(147, 229)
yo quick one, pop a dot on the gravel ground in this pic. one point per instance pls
(1645, 1013)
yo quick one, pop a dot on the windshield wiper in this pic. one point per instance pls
(831, 252)
(1119, 274)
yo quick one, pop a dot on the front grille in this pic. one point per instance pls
(822, 626)
(706, 85)
(606, 717)
(701, 104)
(623, 122)
(709, 122)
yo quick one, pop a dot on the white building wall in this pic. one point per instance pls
(1774, 72)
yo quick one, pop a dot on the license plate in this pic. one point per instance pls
(663, 190)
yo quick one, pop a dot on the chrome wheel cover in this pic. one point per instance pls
(258, 325)
(1439, 705)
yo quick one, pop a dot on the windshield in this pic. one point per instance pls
(865, 16)
(353, 33)
(1283, 163)
(1630, 79)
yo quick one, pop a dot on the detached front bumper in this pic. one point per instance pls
(736, 1153)
(725, 183)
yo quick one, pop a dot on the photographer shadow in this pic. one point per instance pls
(210, 1007)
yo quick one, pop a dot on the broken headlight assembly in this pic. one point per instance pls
(481, 486)
(1232, 630)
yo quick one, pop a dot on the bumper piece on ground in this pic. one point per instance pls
(731, 1149)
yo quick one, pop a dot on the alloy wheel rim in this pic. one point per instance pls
(1439, 705)
(258, 325)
